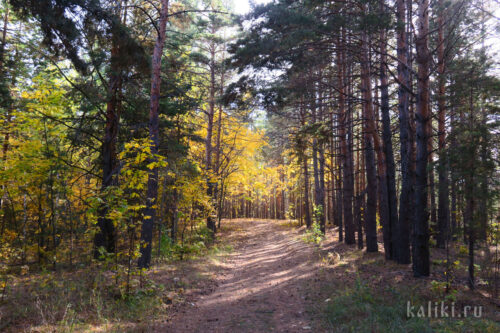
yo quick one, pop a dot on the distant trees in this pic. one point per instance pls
(347, 71)
(211, 49)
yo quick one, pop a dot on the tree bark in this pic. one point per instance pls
(339, 190)
(208, 140)
(469, 219)
(360, 204)
(154, 137)
(421, 266)
(219, 191)
(348, 186)
(319, 172)
(402, 253)
(390, 168)
(443, 190)
(369, 133)
(105, 237)
(307, 212)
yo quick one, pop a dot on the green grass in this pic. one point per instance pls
(362, 309)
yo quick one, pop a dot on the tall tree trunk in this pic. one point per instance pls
(431, 187)
(307, 205)
(421, 259)
(319, 170)
(220, 202)
(154, 137)
(348, 186)
(360, 189)
(469, 218)
(322, 200)
(369, 133)
(402, 255)
(339, 189)
(105, 237)
(218, 171)
(317, 187)
(443, 190)
(6, 103)
(322, 161)
(483, 198)
(4, 38)
(390, 168)
(208, 140)
(332, 212)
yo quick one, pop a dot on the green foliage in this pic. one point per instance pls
(64, 33)
(438, 287)
(193, 245)
(317, 213)
(166, 246)
(463, 250)
(314, 234)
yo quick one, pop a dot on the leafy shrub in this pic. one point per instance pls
(314, 234)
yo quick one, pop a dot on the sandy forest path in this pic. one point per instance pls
(264, 288)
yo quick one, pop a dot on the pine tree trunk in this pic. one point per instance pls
(319, 174)
(421, 259)
(317, 189)
(443, 191)
(307, 205)
(208, 140)
(105, 236)
(339, 191)
(370, 216)
(360, 190)
(217, 169)
(469, 222)
(402, 255)
(154, 137)
(332, 210)
(345, 149)
(390, 168)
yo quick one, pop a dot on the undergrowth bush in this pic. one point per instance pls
(314, 234)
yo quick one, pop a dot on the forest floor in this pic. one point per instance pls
(263, 286)
(281, 278)
(259, 276)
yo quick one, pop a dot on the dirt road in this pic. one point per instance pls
(264, 288)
